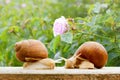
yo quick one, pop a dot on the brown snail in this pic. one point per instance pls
(33, 52)
(88, 55)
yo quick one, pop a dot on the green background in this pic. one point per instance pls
(93, 20)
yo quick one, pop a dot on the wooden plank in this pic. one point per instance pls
(60, 73)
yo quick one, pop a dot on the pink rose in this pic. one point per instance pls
(7, 1)
(60, 26)
(23, 5)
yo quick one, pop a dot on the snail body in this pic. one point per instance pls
(92, 52)
(46, 63)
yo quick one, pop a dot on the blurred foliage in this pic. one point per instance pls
(93, 20)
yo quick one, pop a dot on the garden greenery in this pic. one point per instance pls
(87, 20)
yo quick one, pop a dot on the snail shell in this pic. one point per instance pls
(30, 50)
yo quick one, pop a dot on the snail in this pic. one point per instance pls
(33, 52)
(89, 55)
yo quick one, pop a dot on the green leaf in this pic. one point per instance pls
(2, 30)
(117, 19)
(4, 36)
(97, 8)
(54, 44)
(67, 37)
(90, 10)
(115, 61)
(93, 21)
(14, 28)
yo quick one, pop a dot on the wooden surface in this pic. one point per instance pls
(60, 73)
